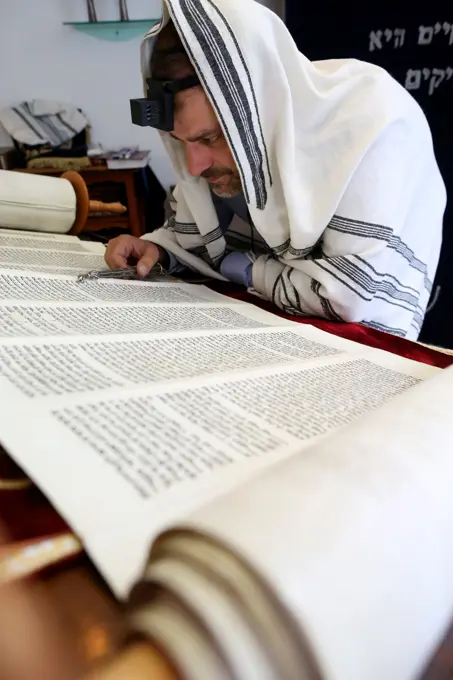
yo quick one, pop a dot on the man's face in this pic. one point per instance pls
(207, 152)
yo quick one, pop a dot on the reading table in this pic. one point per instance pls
(90, 616)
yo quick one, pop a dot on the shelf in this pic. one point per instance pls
(117, 31)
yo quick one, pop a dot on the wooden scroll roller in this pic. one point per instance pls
(48, 204)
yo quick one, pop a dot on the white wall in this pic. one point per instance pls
(41, 58)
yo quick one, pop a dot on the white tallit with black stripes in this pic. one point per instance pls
(337, 167)
(43, 122)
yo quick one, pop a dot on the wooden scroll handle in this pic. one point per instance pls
(82, 199)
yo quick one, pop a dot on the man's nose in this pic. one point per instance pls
(198, 159)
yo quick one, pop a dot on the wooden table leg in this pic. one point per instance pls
(135, 221)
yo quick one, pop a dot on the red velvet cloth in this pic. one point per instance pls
(358, 333)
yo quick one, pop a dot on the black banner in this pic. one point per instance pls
(416, 46)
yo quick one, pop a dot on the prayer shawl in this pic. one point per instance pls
(337, 166)
(41, 122)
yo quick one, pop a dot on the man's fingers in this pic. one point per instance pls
(148, 260)
(120, 250)
(116, 261)
(127, 250)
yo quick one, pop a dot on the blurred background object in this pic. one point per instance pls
(92, 16)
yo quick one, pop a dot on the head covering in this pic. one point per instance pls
(335, 143)
(297, 129)
(294, 127)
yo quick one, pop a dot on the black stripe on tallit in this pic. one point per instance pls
(326, 305)
(358, 228)
(210, 93)
(354, 279)
(345, 225)
(54, 137)
(59, 137)
(366, 282)
(212, 236)
(246, 69)
(285, 290)
(386, 329)
(181, 228)
(343, 283)
(66, 124)
(301, 252)
(296, 292)
(200, 251)
(228, 79)
(387, 276)
(281, 250)
(29, 124)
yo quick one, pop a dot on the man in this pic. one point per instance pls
(315, 184)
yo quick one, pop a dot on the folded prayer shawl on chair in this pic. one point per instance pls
(337, 167)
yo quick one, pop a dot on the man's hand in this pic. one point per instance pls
(125, 251)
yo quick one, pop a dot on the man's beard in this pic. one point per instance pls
(230, 184)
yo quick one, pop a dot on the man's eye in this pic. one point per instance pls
(208, 141)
